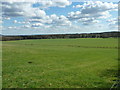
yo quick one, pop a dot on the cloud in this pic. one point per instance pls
(37, 24)
(113, 21)
(12, 27)
(26, 26)
(15, 21)
(96, 9)
(92, 9)
(52, 20)
(13, 10)
(23, 22)
(21, 9)
(60, 3)
(60, 20)
(45, 20)
(11, 1)
(88, 21)
(1, 20)
(39, 13)
(90, 13)
(45, 3)
(78, 6)
(36, 16)
(54, 3)
(6, 18)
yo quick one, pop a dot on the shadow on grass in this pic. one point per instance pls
(111, 75)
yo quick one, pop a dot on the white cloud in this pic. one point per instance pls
(1, 27)
(39, 13)
(113, 21)
(26, 26)
(45, 3)
(11, 27)
(35, 15)
(12, 1)
(88, 21)
(1, 20)
(53, 20)
(55, 3)
(92, 9)
(15, 21)
(9, 9)
(37, 24)
(21, 9)
(88, 13)
(60, 20)
(78, 6)
(45, 20)
(61, 3)
(23, 22)
(6, 18)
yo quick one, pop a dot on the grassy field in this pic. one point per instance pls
(60, 63)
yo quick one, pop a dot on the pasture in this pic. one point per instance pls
(60, 63)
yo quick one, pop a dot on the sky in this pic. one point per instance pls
(36, 17)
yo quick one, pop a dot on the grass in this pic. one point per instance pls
(60, 63)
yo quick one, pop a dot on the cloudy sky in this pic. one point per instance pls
(58, 16)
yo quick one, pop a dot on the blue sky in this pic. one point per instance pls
(58, 16)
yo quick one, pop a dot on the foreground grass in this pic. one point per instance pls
(57, 63)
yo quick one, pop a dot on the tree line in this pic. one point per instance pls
(55, 36)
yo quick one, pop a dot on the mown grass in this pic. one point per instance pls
(60, 63)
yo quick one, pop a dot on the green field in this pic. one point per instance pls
(60, 63)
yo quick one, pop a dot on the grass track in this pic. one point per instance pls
(57, 63)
